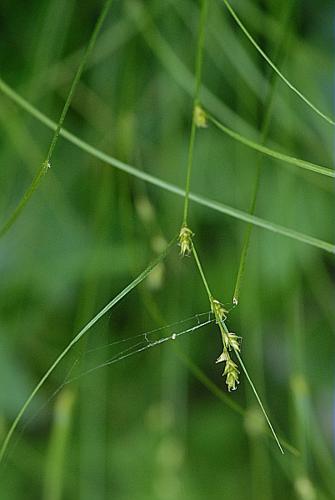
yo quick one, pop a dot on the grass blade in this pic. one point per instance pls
(273, 66)
(76, 339)
(267, 114)
(172, 188)
(46, 163)
(313, 167)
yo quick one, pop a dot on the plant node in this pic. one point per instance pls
(46, 166)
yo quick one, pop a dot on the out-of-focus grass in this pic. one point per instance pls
(146, 427)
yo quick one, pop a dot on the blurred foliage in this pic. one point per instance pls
(148, 426)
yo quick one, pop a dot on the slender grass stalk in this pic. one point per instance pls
(55, 464)
(252, 221)
(198, 71)
(313, 167)
(212, 387)
(76, 339)
(210, 297)
(257, 397)
(257, 221)
(166, 54)
(199, 374)
(245, 246)
(267, 111)
(273, 65)
(172, 188)
(222, 396)
(202, 274)
(240, 58)
(261, 485)
(46, 163)
(185, 79)
(189, 171)
(158, 317)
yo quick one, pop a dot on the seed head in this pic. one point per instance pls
(185, 241)
(233, 342)
(223, 357)
(199, 117)
(219, 311)
(231, 373)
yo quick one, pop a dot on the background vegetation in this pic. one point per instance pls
(160, 423)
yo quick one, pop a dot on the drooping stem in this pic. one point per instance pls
(259, 401)
(224, 333)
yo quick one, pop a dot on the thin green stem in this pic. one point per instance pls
(246, 242)
(273, 65)
(189, 172)
(222, 396)
(157, 316)
(185, 78)
(155, 181)
(76, 339)
(223, 326)
(78, 74)
(204, 280)
(259, 400)
(198, 70)
(46, 163)
(266, 119)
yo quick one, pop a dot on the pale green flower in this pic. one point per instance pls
(199, 117)
(233, 342)
(231, 373)
(219, 311)
(223, 357)
(185, 241)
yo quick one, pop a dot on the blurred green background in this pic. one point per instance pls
(160, 424)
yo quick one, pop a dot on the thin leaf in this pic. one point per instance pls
(46, 163)
(76, 339)
(172, 188)
(313, 167)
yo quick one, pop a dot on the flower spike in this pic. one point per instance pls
(185, 241)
